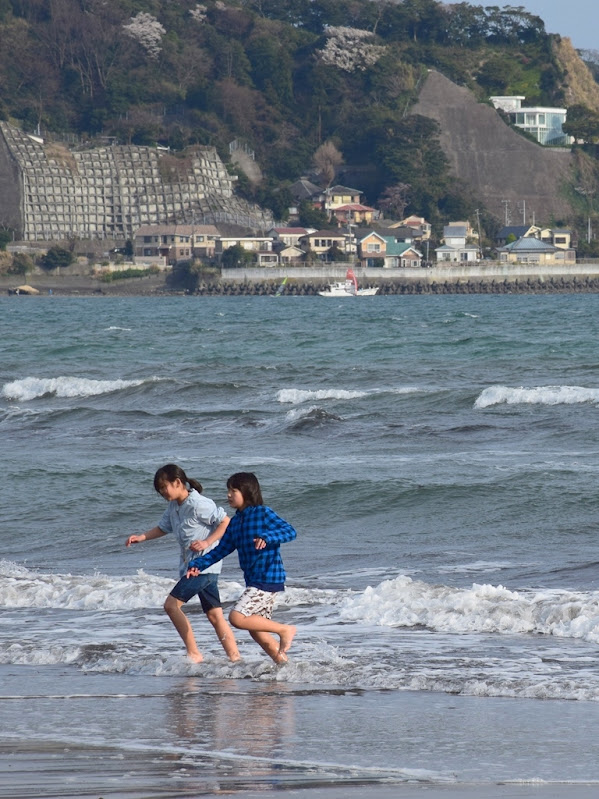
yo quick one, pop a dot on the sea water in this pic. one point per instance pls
(438, 458)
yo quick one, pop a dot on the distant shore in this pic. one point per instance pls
(303, 282)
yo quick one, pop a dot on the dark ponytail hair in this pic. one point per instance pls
(247, 483)
(171, 472)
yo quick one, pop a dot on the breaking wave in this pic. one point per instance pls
(541, 395)
(404, 602)
(30, 388)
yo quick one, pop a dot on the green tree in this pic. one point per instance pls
(334, 253)
(5, 237)
(21, 264)
(582, 123)
(497, 74)
(236, 257)
(56, 257)
(312, 217)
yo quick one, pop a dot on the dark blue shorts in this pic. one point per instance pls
(204, 585)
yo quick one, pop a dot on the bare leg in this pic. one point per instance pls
(224, 633)
(173, 607)
(258, 624)
(268, 643)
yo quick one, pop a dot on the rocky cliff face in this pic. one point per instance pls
(505, 170)
(580, 86)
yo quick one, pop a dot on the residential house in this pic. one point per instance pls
(354, 214)
(163, 244)
(287, 236)
(255, 244)
(421, 228)
(404, 233)
(303, 190)
(204, 240)
(291, 255)
(321, 241)
(559, 237)
(514, 232)
(266, 258)
(335, 196)
(372, 247)
(455, 248)
(376, 250)
(529, 250)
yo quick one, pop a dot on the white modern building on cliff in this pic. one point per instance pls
(545, 124)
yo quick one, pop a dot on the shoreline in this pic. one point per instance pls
(432, 282)
(33, 769)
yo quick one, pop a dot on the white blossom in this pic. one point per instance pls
(199, 12)
(349, 49)
(147, 31)
(220, 5)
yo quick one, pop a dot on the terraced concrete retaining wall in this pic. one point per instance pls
(49, 192)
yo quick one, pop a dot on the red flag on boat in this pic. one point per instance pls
(350, 277)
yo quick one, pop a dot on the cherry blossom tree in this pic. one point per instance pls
(350, 49)
(148, 32)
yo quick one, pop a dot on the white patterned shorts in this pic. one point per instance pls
(256, 602)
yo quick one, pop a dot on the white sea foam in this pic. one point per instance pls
(295, 396)
(540, 395)
(404, 602)
(30, 388)
(24, 588)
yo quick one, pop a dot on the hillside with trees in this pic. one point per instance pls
(321, 86)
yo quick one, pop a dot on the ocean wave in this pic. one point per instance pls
(24, 588)
(404, 602)
(30, 388)
(295, 396)
(541, 395)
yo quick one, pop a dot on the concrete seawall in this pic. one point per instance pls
(487, 278)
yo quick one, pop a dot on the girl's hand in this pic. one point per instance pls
(198, 546)
(259, 543)
(135, 539)
(193, 572)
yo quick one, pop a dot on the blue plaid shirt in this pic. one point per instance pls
(262, 568)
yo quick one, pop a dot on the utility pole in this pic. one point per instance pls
(522, 208)
(506, 204)
(480, 249)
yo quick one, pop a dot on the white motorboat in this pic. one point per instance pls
(347, 288)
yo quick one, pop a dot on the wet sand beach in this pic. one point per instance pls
(33, 772)
(124, 736)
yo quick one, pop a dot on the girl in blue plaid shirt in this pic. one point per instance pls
(256, 532)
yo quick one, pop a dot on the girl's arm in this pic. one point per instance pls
(277, 530)
(226, 546)
(215, 535)
(155, 532)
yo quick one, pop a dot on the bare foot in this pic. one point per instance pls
(286, 638)
(235, 659)
(280, 657)
(196, 657)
